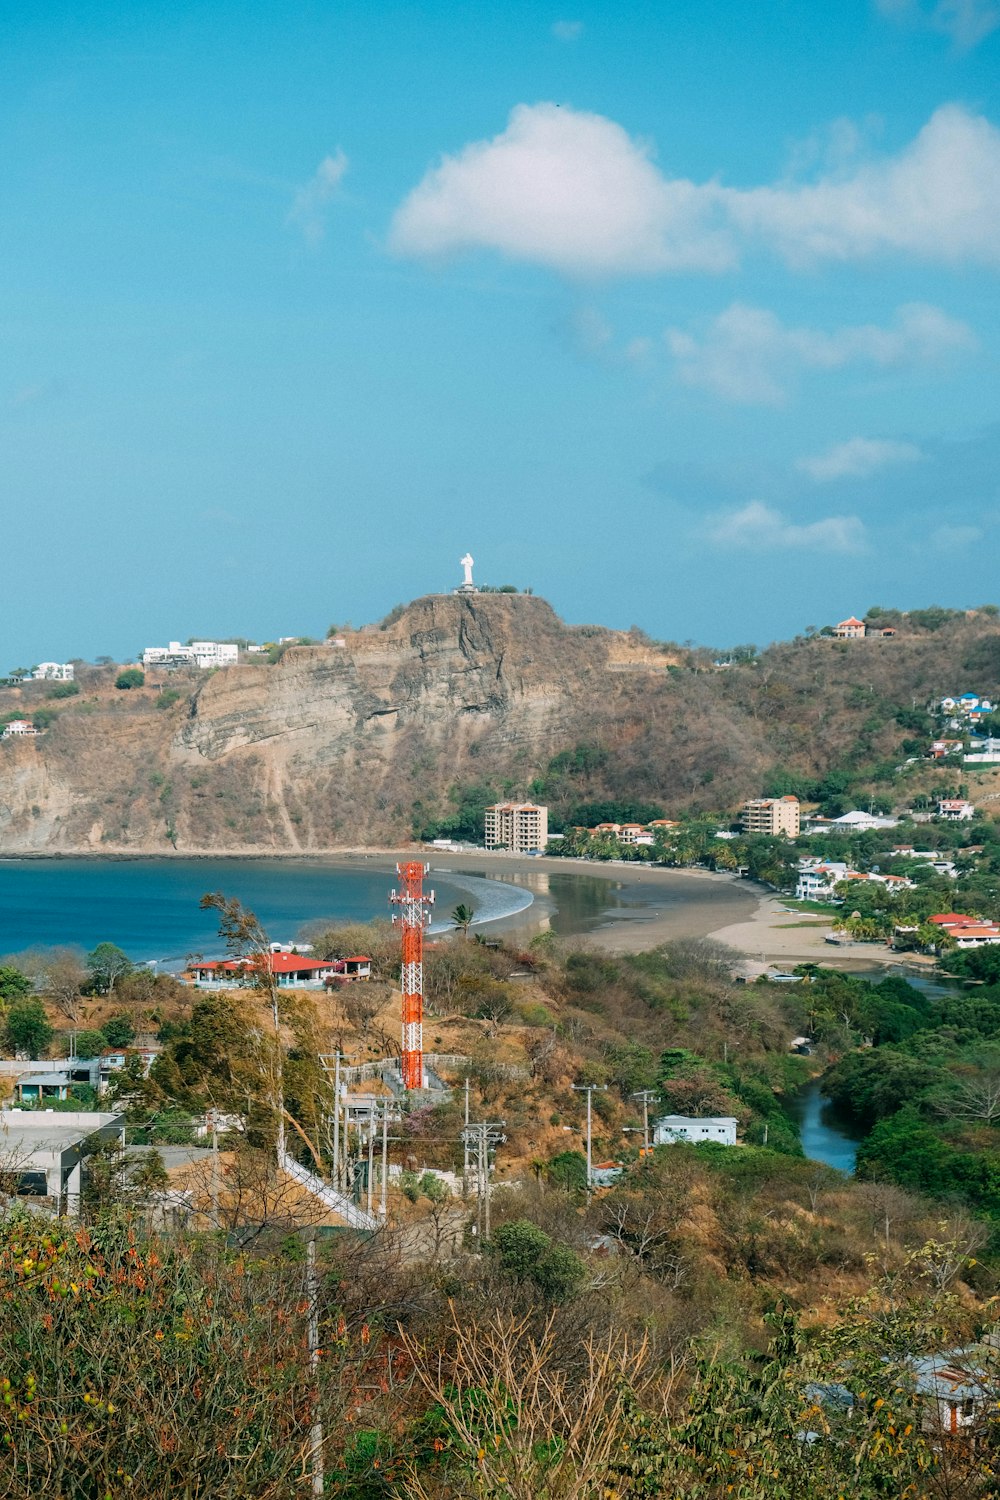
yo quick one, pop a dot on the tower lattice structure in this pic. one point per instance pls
(413, 917)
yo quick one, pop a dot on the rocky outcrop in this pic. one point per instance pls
(331, 746)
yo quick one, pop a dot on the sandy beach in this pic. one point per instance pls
(695, 903)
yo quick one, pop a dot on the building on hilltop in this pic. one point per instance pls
(520, 827)
(955, 809)
(53, 671)
(204, 654)
(850, 630)
(773, 815)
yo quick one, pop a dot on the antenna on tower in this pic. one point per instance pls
(413, 917)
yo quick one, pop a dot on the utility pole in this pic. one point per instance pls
(215, 1168)
(465, 1144)
(483, 1134)
(385, 1160)
(371, 1153)
(336, 1119)
(316, 1432)
(588, 1089)
(645, 1095)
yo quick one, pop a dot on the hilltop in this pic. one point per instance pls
(408, 726)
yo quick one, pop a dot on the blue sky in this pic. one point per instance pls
(684, 315)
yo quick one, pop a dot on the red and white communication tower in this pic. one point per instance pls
(414, 916)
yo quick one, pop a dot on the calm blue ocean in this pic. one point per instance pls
(149, 907)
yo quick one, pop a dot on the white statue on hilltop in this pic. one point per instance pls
(467, 562)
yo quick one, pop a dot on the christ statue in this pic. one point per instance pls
(467, 565)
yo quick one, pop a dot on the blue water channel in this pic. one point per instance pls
(825, 1135)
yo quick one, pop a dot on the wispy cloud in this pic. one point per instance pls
(575, 192)
(967, 22)
(308, 210)
(748, 355)
(858, 458)
(955, 538)
(567, 31)
(758, 527)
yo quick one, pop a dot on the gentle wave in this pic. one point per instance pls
(493, 900)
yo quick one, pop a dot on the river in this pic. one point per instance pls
(825, 1135)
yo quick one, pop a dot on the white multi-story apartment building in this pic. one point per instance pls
(53, 671)
(518, 826)
(773, 815)
(203, 654)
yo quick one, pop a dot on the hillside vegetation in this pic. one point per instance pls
(410, 727)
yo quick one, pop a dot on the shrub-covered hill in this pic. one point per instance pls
(411, 726)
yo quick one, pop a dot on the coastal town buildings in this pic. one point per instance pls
(521, 827)
(204, 654)
(772, 815)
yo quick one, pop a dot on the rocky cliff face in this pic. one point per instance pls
(333, 745)
(349, 745)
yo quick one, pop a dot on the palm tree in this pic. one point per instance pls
(462, 917)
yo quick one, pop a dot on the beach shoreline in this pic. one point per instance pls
(746, 917)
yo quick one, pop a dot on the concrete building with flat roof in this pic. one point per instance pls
(45, 1150)
(772, 815)
(518, 826)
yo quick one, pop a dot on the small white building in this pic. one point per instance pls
(18, 729)
(861, 822)
(695, 1128)
(45, 1150)
(955, 809)
(53, 671)
(204, 654)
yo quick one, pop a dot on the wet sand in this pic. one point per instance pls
(647, 905)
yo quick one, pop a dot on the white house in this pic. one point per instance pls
(18, 727)
(862, 822)
(204, 654)
(955, 809)
(817, 880)
(694, 1128)
(984, 751)
(53, 671)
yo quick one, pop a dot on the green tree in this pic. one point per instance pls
(90, 1043)
(528, 1254)
(131, 677)
(27, 1028)
(13, 984)
(107, 965)
(462, 917)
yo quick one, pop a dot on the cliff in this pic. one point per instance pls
(355, 744)
(331, 746)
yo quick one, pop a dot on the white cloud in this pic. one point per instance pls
(307, 212)
(563, 189)
(758, 527)
(938, 199)
(748, 355)
(567, 31)
(858, 458)
(574, 192)
(967, 22)
(954, 538)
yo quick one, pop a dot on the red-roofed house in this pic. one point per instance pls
(290, 970)
(850, 630)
